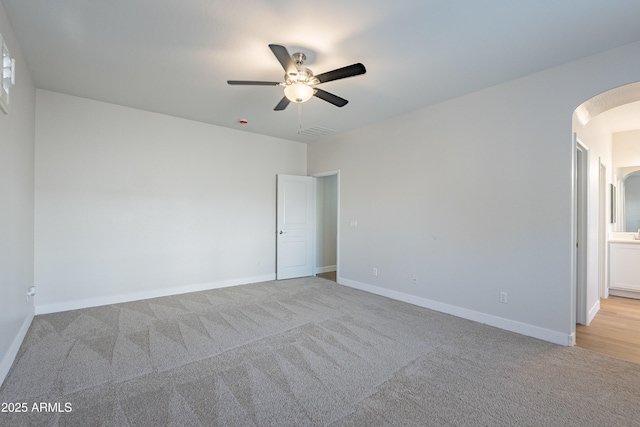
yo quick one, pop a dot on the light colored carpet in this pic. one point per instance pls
(305, 352)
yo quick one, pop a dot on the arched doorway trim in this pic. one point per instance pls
(606, 101)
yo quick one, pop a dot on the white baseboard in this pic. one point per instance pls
(593, 311)
(623, 293)
(327, 269)
(491, 320)
(476, 316)
(135, 296)
(10, 355)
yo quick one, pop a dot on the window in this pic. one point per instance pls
(8, 76)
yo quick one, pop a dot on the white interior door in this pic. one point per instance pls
(296, 230)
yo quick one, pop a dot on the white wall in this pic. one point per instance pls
(16, 212)
(326, 223)
(473, 196)
(133, 204)
(626, 149)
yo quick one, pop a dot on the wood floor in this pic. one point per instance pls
(329, 276)
(615, 330)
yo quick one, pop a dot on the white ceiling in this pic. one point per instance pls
(623, 118)
(174, 57)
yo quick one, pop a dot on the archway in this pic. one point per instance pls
(595, 123)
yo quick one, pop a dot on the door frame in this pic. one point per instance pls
(321, 175)
(580, 218)
(602, 231)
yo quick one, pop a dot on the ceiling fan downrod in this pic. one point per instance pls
(299, 59)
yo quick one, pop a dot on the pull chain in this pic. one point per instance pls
(299, 118)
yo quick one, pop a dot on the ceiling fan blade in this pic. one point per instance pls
(251, 83)
(329, 97)
(282, 104)
(284, 58)
(341, 73)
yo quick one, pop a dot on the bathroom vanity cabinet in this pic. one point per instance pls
(624, 268)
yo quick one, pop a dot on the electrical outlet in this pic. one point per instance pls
(375, 271)
(414, 280)
(503, 297)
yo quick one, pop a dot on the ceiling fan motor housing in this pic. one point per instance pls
(304, 75)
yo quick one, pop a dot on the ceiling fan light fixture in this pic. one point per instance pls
(299, 82)
(298, 92)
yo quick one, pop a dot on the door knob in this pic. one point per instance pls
(282, 232)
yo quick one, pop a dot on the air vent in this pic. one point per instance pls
(316, 132)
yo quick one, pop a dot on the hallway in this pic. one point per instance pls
(615, 330)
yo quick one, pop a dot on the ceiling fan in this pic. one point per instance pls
(299, 82)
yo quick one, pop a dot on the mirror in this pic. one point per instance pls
(632, 202)
(626, 208)
(624, 121)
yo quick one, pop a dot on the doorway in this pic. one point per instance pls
(307, 233)
(602, 126)
(327, 224)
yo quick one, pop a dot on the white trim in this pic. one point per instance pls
(603, 286)
(10, 355)
(574, 231)
(582, 230)
(156, 293)
(476, 316)
(593, 311)
(623, 293)
(327, 173)
(327, 269)
(627, 287)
